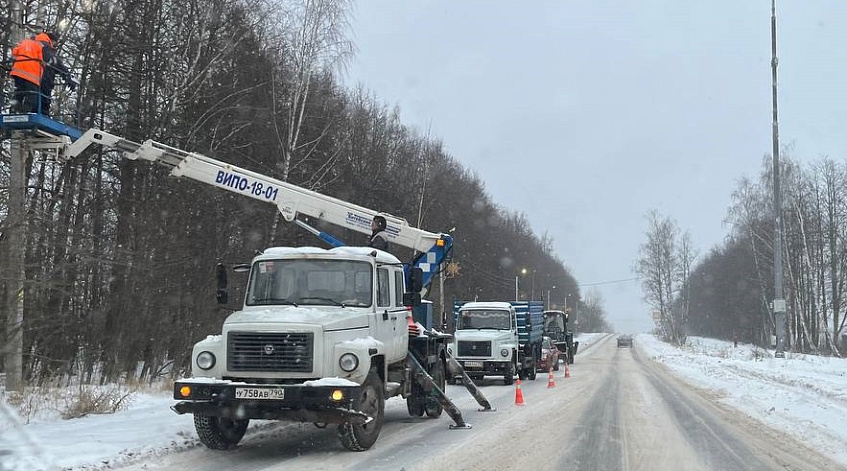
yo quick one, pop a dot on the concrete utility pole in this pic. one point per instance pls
(778, 301)
(15, 230)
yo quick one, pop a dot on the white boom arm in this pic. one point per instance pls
(291, 200)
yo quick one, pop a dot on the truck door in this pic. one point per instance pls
(391, 324)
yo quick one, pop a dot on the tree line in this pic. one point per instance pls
(729, 293)
(120, 258)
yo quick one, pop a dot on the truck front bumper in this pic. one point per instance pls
(297, 402)
(486, 367)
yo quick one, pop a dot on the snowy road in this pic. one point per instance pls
(617, 411)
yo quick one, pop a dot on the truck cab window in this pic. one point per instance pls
(399, 288)
(383, 288)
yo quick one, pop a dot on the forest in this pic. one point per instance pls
(728, 292)
(118, 275)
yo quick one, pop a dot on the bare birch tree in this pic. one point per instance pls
(663, 263)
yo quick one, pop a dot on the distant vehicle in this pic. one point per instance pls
(625, 341)
(549, 355)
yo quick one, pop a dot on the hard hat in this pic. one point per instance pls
(45, 37)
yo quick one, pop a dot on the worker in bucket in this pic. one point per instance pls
(27, 71)
(53, 65)
(378, 238)
(34, 71)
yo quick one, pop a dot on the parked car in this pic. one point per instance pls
(625, 341)
(549, 355)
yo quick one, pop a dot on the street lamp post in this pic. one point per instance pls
(549, 299)
(516, 288)
(517, 293)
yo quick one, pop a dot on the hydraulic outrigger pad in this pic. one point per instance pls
(470, 385)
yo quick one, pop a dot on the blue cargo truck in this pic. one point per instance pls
(496, 338)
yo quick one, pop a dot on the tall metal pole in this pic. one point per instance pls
(443, 316)
(778, 301)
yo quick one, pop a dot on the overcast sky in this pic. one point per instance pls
(587, 115)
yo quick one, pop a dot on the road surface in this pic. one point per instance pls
(617, 411)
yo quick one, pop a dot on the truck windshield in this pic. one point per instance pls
(311, 282)
(484, 319)
(554, 323)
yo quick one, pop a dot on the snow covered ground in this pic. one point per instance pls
(803, 395)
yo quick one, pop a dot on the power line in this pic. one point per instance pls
(613, 282)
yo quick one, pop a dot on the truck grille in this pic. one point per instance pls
(474, 349)
(270, 351)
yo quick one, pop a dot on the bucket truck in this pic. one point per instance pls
(324, 335)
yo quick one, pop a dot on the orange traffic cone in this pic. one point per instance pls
(567, 370)
(518, 394)
(551, 383)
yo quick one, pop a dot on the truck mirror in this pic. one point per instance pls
(221, 276)
(222, 294)
(415, 279)
(411, 299)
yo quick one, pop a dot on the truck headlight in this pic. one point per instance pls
(206, 360)
(348, 362)
(504, 352)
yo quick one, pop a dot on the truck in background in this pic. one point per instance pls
(498, 338)
(556, 327)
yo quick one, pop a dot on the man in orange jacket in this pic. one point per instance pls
(53, 65)
(34, 70)
(27, 71)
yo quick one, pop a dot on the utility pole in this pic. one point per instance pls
(516, 288)
(443, 316)
(779, 310)
(15, 230)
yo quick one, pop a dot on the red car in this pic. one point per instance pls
(549, 355)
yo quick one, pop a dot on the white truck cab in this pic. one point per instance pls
(486, 340)
(306, 308)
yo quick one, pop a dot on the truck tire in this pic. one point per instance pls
(509, 377)
(532, 373)
(415, 402)
(219, 433)
(372, 402)
(432, 404)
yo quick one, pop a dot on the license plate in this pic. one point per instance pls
(473, 364)
(259, 393)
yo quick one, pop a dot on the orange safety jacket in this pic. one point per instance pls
(28, 56)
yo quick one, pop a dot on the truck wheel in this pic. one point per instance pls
(415, 402)
(371, 401)
(532, 373)
(509, 377)
(219, 433)
(433, 406)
